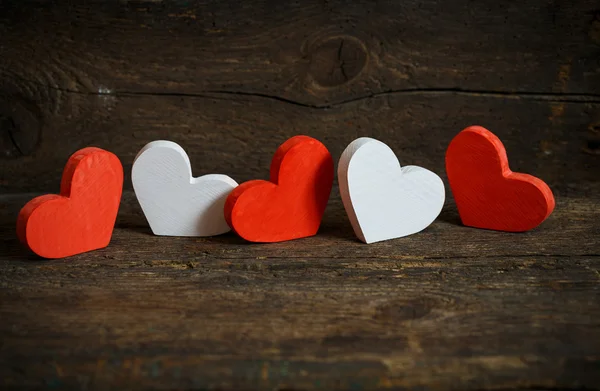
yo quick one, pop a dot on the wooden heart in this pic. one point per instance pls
(487, 193)
(83, 216)
(292, 204)
(174, 202)
(384, 201)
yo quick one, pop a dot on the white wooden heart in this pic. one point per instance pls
(384, 201)
(174, 202)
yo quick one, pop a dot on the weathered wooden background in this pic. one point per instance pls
(231, 81)
(451, 308)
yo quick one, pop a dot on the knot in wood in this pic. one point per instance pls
(19, 129)
(336, 61)
(592, 146)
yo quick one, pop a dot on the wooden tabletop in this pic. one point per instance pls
(451, 307)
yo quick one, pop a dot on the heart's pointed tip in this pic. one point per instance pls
(368, 241)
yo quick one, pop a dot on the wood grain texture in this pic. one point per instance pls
(82, 217)
(452, 307)
(382, 199)
(290, 205)
(302, 51)
(174, 202)
(406, 73)
(243, 133)
(487, 193)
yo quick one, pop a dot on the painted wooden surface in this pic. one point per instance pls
(174, 202)
(487, 193)
(82, 217)
(450, 308)
(383, 200)
(290, 205)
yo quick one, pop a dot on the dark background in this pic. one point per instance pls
(449, 308)
(231, 81)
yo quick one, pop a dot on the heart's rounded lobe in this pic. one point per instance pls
(83, 216)
(292, 204)
(487, 193)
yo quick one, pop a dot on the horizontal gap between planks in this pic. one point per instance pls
(227, 94)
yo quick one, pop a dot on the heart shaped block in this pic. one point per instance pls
(383, 200)
(174, 202)
(487, 193)
(292, 204)
(82, 217)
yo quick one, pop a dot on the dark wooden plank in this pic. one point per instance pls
(230, 86)
(554, 140)
(466, 323)
(449, 308)
(311, 51)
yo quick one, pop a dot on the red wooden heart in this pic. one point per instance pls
(292, 204)
(487, 193)
(83, 216)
